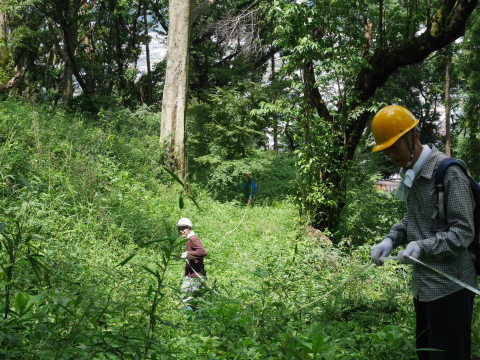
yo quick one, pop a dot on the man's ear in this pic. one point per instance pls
(414, 138)
(417, 136)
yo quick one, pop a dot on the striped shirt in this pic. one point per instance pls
(443, 246)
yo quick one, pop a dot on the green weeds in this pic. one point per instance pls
(90, 268)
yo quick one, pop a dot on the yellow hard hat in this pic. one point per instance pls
(390, 124)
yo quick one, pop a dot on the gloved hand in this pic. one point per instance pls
(412, 250)
(382, 249)
(184, 255)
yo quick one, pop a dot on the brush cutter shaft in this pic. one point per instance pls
(451, 278)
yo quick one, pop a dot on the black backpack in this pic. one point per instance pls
(439, 176)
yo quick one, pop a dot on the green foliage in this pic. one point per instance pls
(5, 64)
(226, 135)
(78, 187)
(329, 51)
(468, 149)
(227, 126)
(273, 174)
(42, 34)
(468, 131)
(369, 213)
(319, 161)
(321, 174)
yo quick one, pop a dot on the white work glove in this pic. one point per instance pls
(382, 249)
(184, 255)
(412, 250)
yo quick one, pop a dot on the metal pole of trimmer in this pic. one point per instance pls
(451, 278)
(200, 276)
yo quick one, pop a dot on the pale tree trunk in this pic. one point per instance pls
(275, 119)
(148, 88)
(4, 57)
(3, 28)
(448, 149)
(133, 39)
(173, 126)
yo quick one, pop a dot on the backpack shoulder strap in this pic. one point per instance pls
(439, 185)
(442, 169)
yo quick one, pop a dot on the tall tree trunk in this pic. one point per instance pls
(67, 91)
(147, 54)
(3, 29)
(119, 51)
(4, 58)
(448, 150)
(275, 119)
(67, 19)
(381, 28)
(173, 124)
(3, 26)
(89, 45)
(132, 43)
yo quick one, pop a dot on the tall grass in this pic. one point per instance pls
(99, 214)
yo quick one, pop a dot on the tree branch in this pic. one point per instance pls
(201, 10)
(368, 38)
(17, 76)
(263, 58)
(226, 59)
(448, 25)
(160, 17)
(313, 94)
(384, 62)
(210, 29)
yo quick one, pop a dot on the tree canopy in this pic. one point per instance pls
(307, 75)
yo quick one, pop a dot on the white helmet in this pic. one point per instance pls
(185, 222)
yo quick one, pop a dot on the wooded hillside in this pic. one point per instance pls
(104, 145)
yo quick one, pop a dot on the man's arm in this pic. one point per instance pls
(398, 233)
(197, 248)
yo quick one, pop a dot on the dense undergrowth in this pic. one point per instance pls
(90, 266)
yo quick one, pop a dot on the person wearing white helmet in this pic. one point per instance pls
(194, 253)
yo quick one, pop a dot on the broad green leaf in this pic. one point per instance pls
(194, 201)
(151, 271)
(174, 176)
(20, 302)
(128, 258)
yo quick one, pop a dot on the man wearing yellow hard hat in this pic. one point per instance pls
(443, 308)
